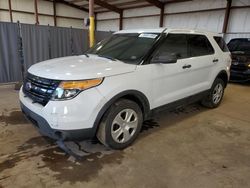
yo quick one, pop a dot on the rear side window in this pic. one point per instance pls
(199, 45)
(223, 46)
(174, 44)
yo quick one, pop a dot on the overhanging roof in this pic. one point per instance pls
(116, 5)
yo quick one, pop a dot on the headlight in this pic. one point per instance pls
(69, 89)
(249, 65)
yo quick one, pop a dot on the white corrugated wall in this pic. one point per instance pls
(239, 22)
(211, 20)
(44, 7)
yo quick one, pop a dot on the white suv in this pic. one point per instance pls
(109, 91)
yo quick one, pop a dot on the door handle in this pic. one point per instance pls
(215, 60)
(186, 66)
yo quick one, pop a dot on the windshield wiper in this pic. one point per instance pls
(107, 57)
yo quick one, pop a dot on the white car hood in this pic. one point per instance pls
(79, 68)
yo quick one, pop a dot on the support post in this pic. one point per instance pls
(227, 15)
(161, 16)
(95, 20)
(160, 5)
(92, 24)
(10, 11)
(54, 10)
(36, 12)
(121, 21)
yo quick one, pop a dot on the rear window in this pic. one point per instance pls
(223, 46)
(199, 45)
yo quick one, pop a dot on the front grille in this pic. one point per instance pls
(239, 63)
(39, 89)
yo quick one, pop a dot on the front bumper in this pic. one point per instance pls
(44, 128)
(65, 120)
(237, 76)
(75, 114)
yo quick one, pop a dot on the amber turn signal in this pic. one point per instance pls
(82, 85)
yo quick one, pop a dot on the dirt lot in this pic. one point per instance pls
(190, 147)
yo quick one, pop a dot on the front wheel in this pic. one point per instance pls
(121, 124)
(214, 98)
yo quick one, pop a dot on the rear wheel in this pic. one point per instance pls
(121, 124)
(214, 98)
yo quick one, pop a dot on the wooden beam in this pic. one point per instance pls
(72, 5)
(121, 21)
(156, 3)
(177, 1)
(126, 4)
(127, 8)
(10, 11)
(68, 17)
(227, 15)
(145, 5)
(108, 6)
(36, 12)
(54, 12)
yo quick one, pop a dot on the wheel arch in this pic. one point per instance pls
(133, 95)
(223, 75)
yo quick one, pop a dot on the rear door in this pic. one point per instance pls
(202, 61)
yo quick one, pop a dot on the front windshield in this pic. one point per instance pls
(239, 46)
(129, 48)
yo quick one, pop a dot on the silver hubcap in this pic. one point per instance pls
(217, 93)
(124, 125)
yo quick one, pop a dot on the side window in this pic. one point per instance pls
(199, 45)
(220, 41)
(174, 44)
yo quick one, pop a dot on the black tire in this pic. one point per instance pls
(106, 128)
(208, 100)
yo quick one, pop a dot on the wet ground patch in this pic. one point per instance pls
(23, 152)
(14, 118)
(149, 124)
(72, 170)
(171, 116)
(67, 168)
(193, 108)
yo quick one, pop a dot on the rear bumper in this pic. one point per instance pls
(237, 76)
(44, 128)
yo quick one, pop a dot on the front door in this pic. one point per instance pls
(170, 80)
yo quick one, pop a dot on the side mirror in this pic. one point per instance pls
(165, 58)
